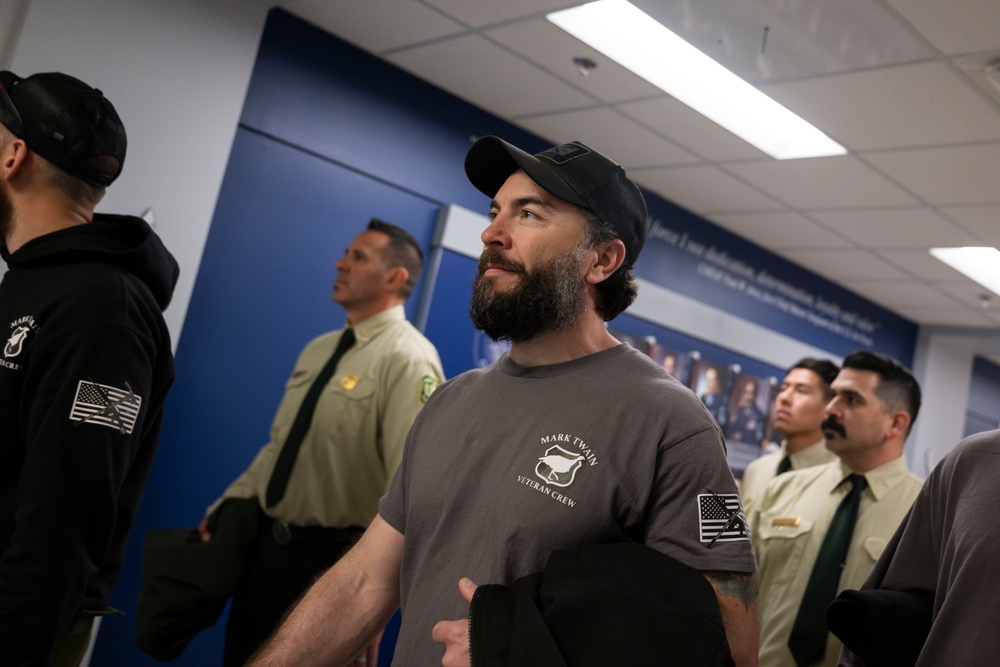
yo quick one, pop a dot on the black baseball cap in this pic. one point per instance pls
(574, 173)
(67, 122)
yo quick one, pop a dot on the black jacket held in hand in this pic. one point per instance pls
(84, 371)
(598, 605)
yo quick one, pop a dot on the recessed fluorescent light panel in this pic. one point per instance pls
(630, 37)
(979, 264)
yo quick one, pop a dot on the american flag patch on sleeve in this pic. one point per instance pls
(721, 519)
(105, 406)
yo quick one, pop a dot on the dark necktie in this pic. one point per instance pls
(807, 641)
(286, 459)
(785, 465)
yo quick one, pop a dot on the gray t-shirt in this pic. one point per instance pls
(507, 464)
(948, 545)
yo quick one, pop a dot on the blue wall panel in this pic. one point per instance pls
(709, 264)
(314, 90)
(983, 412)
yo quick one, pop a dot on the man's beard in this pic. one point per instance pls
(544, 300)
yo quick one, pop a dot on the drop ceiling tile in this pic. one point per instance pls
(620, 138)
(780, 230)
(554, 50)
(703, 189)
(376, 25)
(954, 27)
(688, 128)
(841, 265)
(897, 294)
(832, 182)
(943, 176)
(923, 264)
(479, 14)
(981, 221)
(949, 317)
(894, 227)
(489, 77)
(970, 293)
(766, 40)
(924, 104)
(977, 68)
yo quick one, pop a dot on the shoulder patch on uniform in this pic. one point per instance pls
(721, 518)
(105, 405)
(428, 383)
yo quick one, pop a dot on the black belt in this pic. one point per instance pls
(282, 533)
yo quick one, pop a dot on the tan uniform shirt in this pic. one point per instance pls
(788, 522)
(762, 469)
(355, 442)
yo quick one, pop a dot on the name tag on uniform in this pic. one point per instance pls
(349, 382)
(790, 521)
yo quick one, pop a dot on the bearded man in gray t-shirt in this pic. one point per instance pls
(571, 438)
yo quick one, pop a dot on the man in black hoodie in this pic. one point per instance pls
(85, 367)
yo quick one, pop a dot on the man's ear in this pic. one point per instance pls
(395, 278)
(610, 256)
(900, 422)
(13, 155)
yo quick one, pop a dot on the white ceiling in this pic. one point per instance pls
(900, 83)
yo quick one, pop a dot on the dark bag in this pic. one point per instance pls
(186, 582)
(882, 627)
(598, 605)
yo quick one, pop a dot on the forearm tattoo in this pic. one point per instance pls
(734, 585)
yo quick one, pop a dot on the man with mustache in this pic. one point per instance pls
(798, 413)
(572, 438)
(796, 519)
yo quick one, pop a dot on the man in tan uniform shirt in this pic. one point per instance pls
(875, 402)
(798, 413)
(353, 444)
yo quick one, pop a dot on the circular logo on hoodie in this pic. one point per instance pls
(20, 329)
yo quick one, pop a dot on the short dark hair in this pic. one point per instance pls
(897, 388)
(76, 189)
(825, 369)
(401, 250)
(616, 293)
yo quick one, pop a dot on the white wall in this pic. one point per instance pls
(177, 71)
(943, 366)
(11, 19)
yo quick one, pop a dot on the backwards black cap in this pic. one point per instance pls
(67, 122)
(574, 173)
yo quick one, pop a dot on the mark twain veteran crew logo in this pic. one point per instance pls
(16, 342)
(20, 330)
(558, 467)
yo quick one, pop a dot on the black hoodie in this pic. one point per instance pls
(84, 372)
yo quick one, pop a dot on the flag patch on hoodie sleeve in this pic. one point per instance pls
(105, 405)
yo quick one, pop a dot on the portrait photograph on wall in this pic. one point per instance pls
(750, 406)
(673, 361)
(711, 382)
